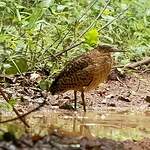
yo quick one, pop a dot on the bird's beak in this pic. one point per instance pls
(116, 50)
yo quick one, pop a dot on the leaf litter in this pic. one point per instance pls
(119, 107)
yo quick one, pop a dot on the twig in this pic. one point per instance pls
(51, 45)
(55, 42)
(62, 39)
(87, 9)
(26, 143)
(146, 70)
(22, 116)
(138, 86)
(77, 44)
(15, 110)
(38, 37)
(16, 66)
(71, 47)
(113, 19)
(138, 63)
(122, 82)
(118, 66)
(92, 24)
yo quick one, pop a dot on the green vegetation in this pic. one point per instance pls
(32, 33)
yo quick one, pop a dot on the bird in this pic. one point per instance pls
(84, 72)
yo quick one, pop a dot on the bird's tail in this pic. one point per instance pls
(56, 87)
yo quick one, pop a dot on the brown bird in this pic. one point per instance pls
(84, 72)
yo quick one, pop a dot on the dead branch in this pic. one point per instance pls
(14, 109)
(22, 116)
(138, 63)
(69, 48)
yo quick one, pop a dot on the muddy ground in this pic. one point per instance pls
(59, 141)
(124, 93)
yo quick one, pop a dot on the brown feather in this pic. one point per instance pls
(83, 73)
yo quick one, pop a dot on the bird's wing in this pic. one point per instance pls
(67, 78)
(76, 81)
(78, 73)
(74, 66)
(83, 77)
(96, 70)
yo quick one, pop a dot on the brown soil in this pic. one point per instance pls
(132, 92)
(129, 93)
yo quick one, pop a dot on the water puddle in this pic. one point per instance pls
(110, 124)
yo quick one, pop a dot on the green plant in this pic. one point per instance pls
(34, 32)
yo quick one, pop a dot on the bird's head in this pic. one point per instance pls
(108, 49)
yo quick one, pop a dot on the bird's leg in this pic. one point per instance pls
(75, 100)
(82, 96)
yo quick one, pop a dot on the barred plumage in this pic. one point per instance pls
(85, 72)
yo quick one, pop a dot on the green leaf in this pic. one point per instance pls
(92, 37)
(46, 3)
(12, 102)
(35, 16)
(106, 12)
(61, 8)
(15, 65)
(2, 4)
(5, 106)
(18, 15)
(44, 84)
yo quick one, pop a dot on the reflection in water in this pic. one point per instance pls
(110, 124)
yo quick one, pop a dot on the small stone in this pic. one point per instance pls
(147, 99)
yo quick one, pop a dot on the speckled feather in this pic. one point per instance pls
(83, 73)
